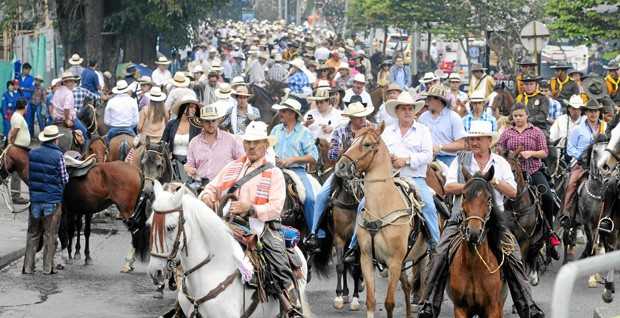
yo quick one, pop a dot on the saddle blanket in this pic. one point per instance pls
(299, 185)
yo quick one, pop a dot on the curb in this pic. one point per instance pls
(10, 257)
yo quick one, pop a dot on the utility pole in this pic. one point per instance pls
(279, 9)
(414, 50)
(346, 18)
(286, 11)
(298, 12)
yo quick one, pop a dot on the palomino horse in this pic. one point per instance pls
(185, 229)
(475, 284)
(386, 222)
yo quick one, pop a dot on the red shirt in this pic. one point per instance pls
(531, 139)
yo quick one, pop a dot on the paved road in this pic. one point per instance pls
(99, 290)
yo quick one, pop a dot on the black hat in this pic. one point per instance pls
(612, 66)
(530, 78)
(592, 104)
(528, 61)
(561, 66)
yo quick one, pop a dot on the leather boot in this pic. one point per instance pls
(286, 304)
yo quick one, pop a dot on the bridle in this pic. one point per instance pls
(93, 123)
(373, 149)
(483, 220)
(171, 262)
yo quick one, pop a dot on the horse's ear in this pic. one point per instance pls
(465, 173)
(157, 187)
(380, 128)
(490, 174)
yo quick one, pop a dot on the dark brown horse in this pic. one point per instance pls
(377, 96)
(265, 97)
(475, 285)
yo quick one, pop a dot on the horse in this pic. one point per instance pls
(528, 218)
(377, 96)
(12, 159)
(87, 193)
(323, 166)
(185, 229)
(502, 102)
(91, 115)
(387, 220)
(608, 160)
(475, 285)
(265, 97)
(97, 147)
(120, 146)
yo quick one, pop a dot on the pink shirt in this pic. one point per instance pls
(247, 193)
(208, 159)
(63, 99)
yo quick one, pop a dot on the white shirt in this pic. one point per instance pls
(160, 77)
(332, 119)
(416, 144)
(256, 72)
(559, 128)
(503, 172)
(364, 95)
(121, 111)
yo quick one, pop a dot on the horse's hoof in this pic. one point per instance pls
(77, 256)
(338, 302)
(594, 280)
(346, 299)
(158, 295)
(355, 304)
(69, 261)
(581, 237)
(534, 278)
(607, 296)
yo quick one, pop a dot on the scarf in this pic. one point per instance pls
(524, 97)
(612, 84)
(232, 174)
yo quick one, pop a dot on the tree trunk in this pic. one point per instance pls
(93, 16)
(140, 48)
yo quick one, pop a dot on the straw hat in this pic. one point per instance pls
(180, 80)
(156, 95)
(237, 81)
(359, 77)
(440, 92)
(477, 97)
(344, 65)
(291, 104)
(480, 128)
(575, 101)
(403, 99)
(49, 133)
(187, 99)
(257, 130)
(320, 94)
(263, 55)
(241, 91)
(277, 57)
(455, 77)
(428, 77)
(210, 112)
(357, 109)
(121, 87)
(561, 66)
(38, 78)
(298, 63)
(76, 59)
(223, 91)
(162, 60)
(198, 69)
(393, 87)
(216, 66)
(55, 82)
(145, 80)
(67, 76)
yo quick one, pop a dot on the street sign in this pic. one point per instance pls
(534, 36)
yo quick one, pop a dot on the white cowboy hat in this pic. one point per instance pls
(481, 128)
(223, 91)
(359, 77)
(55, 82)
(121, 87)
(189, 98)
(180, 80)
(403, 98)
(357, 109)
(198, 69)
(291, 104)
(257, 130)
(241, 91)
(477, 97)
(298, 63)
(277, 58)
(320, 94)
(162, 60)
(156, 95)
(49, 133)
(428, 77)
(216, 66)
(76, 59)
(210, 112)
(455, 77)
(238, 81)
(575, 102)
(145, 80)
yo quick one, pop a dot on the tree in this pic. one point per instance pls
(588, 21)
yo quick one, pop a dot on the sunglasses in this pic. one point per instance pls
(241, 97)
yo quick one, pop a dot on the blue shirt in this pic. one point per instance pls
(297, 143)
(90, 80)
(484, 117)
(27, 85)
(446, 128)
(297, 82)
(580, 138)
(555, 109)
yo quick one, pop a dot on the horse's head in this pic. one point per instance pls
(477, 205)
(154, 162)
(98, 147)
(361, 154)
(608, 160)
(512, 157)
(168, 233)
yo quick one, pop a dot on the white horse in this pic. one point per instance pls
(610, 158)
(211, 258)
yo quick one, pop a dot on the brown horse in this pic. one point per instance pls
(377, 96)
(323, 167)
(387, 220)
(13, 159)
(119, 147)
(97, 147)
(475, 284)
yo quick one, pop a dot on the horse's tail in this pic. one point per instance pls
(123, 149)
(321, 260)
(140, 231)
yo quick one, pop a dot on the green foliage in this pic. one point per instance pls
(577, 20)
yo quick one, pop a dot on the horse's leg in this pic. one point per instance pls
(78, 229)
(394, 274)
(368, 272)
(87, 259)
(340, 272)
(460, 312)
(345, 285)
(404, 280)
(69, 232)
(355, 300)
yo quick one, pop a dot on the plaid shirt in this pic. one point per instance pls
(531, 139)
(297, 82)
(555, 109)
(63, 171)
(342, 138)
(484, 117)
(79, 94)
(277, 73)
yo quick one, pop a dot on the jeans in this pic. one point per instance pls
(43, 224)
(321, 203)
(309, 202)
(115, 131)
(34, 112)
(79, 125)
(428, 210)
(447, 159)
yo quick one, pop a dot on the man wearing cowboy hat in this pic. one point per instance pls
(343, 77)
(76, 65)
(574, 86)
(121, 113)
(559, 80)
(479, 80)
(400, 74)
(526, 66)
(578, 141)
(476, 113)
(537, 104)
(446, 126)
(566, 123)
(299, 83)
(392, 92)
(241, 113)
(47, 178)
(257, 69)
(358, 89)
(322, 120)
(478, 159)
(429, 80)
(63, 110)
(210, 151)
(456, 96)
(613, 81)
(179, 88)
(161, 75)
(261, 198)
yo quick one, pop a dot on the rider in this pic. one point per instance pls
(559, 81)
(63, 105)
(578, 141)
(241, 112)
(526, 66)
(295, 149)
(566, 123)
(480, 138)
(612, 80)
(532, 144)
(341, 139)
(261, 197)
(537, 104)
(121, 113)
(322, 120)
(392, 92)
(210, 151)
(358, 89)
(480, 81)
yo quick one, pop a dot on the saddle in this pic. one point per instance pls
(79, 168)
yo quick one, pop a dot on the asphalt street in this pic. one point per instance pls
(100, 290)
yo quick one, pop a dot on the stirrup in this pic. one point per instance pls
(606, 225)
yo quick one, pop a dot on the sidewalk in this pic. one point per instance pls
(13, 229)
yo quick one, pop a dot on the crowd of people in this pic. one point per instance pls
(215, 135)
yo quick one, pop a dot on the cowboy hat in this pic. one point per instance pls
(263, 55)
(67, 76)
(277, 57)
(198, 69)
(257, 130)
(298, 63)
(528, 61)
(393, 87)
(360, 78)
(429, 77)
(38, 78)
(162, 60)
(561, 66)
(613, 65)
(179, 80)
(210, 112)
(237, 81)
(223, 91)
(477, 67)
(76, 59)
(403, 99)
(50, 132)
(187, 99)
(575, 102)
(572, 71)
(530, 78)
(290, 104)
(320, 94)
(454, 77)
(592, 104)
(477, 97)
(323, 66)
(241, 91)
(438, 91)
(145, 80)
(357, 109)
(343, 65)
(481, 128)
(216, 66)
(55, 82)
(156, 95)
(121, 87)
